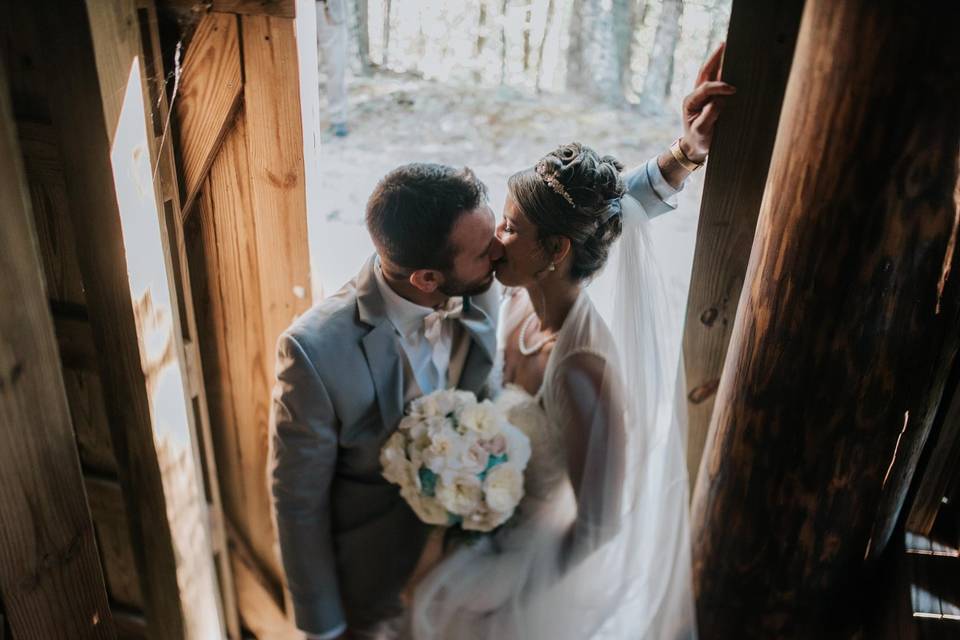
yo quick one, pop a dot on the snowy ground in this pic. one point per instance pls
(395, 120)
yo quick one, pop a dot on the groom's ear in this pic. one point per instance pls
(426, 280)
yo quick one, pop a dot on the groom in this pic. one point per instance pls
(419, 316)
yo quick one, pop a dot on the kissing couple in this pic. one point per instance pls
(599, 545)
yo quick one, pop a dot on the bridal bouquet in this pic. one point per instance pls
(457, 461)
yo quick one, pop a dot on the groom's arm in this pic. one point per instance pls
(303, 457)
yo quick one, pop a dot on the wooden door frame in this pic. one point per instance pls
(50, 574)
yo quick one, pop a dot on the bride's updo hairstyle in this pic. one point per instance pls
(573, 192)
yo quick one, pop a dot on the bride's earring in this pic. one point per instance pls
(552, 267)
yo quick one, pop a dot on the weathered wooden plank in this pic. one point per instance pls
(48, 194)
(162, 149)
(50, 579)
(274, 141)
(113, 538)
(842, 340)
(210, 90)
(942, 465)
(276, 8)
(17, 49)
(235, 369)
(732, 191)
(86, 143)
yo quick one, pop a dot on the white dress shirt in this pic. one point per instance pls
(433, 365)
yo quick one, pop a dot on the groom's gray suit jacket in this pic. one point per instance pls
(348, 540)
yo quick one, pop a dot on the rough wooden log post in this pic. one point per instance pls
(732, 193)
(845, 327)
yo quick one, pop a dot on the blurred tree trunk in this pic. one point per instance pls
(528, 24)
(543, 41)
(503, 42)
(481, 40)
(363, 35)
(386, 32)
(596, 57)
(656, 86)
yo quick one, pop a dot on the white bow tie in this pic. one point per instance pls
(433, 322)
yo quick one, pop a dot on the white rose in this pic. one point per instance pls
(424, 407)
(518, 446)
(393, 459)
(428, 509)
(473, 458)
(482, 419)
(503, 487)
(446, 400)
(484, 519)
(464, 398)
(444, 449)
(409, 423)
(459, 493)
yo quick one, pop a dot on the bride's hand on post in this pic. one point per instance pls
(701, 108)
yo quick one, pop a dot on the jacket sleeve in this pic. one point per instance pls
(303, 457)
(648, 186)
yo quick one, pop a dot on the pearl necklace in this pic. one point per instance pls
(522, 338)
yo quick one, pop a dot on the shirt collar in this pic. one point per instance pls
(405, 316)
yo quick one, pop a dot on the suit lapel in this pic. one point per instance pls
(483, 346)
(383, 357)
(380, 347)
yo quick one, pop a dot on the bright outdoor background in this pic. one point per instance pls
(495, 84)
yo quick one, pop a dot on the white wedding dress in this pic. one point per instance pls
(610, 557)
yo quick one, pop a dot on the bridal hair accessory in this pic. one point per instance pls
(457, 461)
(554, 184)
(614, 208)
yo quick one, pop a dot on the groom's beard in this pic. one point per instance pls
(454, 287)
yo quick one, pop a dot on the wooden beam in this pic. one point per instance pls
(276, 8)
(50, 577)
(113, 541)
(44, 168)
(162, 149)
(224, 268)
(209, 95)
(842, 338)
(96, 86)
(941, 468)
(79, 116)
(275, 143)
(732, 192)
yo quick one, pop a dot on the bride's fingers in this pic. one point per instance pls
(706, 119)
(704, 93)
(711, 68)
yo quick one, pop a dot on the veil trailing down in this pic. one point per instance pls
(600, 548)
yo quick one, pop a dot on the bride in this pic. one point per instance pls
(600, 545)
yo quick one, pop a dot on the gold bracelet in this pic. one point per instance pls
(682, 158)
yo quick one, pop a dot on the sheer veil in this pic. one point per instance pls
(605, 554)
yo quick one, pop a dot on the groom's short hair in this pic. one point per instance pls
(413, 209)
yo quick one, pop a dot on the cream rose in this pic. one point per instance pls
(482, 419)
(484, 519)
(428, 509)
(503, 487)
(393, 458)
(459, 493)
